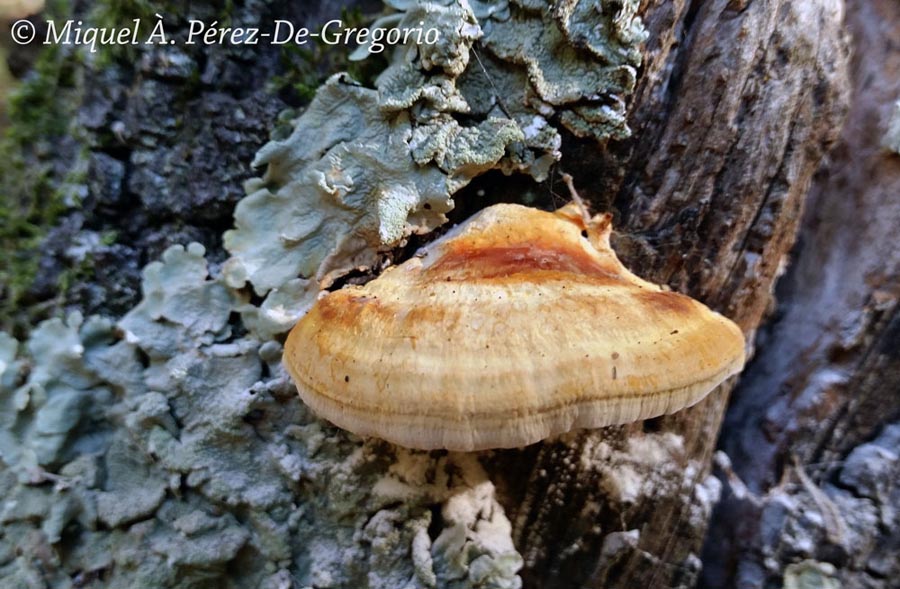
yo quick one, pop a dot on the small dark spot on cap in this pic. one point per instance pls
(346, 379)
(614, 373)
(673, 332)
(615, 355)
(427, 206)
(584, 233)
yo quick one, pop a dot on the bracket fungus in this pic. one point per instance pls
(511, 328)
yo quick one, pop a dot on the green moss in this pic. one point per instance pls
(33, 194)
(34, 108)
(80, 273)
(110, 237)
(117, 14)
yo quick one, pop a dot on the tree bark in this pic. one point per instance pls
(736, 105)
(819, 406)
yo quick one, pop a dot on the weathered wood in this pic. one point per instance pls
(739, 104)
(826, 380)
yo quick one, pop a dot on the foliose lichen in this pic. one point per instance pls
(205, 456)
(810, 574)
(365, 168)
(892, 137)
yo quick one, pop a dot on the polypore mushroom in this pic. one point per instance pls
(511, 328)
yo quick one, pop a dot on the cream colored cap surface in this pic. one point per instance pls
(512, 328)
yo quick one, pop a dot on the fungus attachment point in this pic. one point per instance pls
(509, 329)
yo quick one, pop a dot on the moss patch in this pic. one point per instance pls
(33, 194)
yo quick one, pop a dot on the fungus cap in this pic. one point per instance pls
(511, 328)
